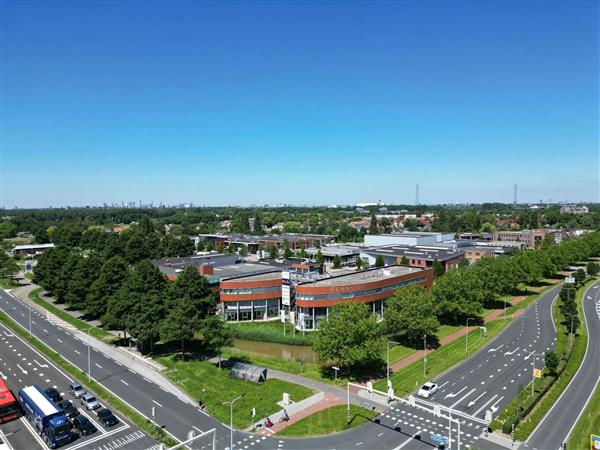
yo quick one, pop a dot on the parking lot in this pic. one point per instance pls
(21, 366)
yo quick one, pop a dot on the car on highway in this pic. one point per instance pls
(107, 418)
(89, 401)
(76, 390)
(67, 408)
(427, 390)
(54, 394)
(84, 426)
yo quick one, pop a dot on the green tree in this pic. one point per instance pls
(551, 361)
(244, 250)
(192, 288)
(200, 246)
(8, 267)
(320, 259)
(47, 271)
(337, 262)
(231, 248)
(287, 252)
(458, 295)
(216, 334)
(463, 263)
(404, 261)
(359, 263)
(488, 227)
(7, 230)
(373, 229)
(219, 248)
(438, 268)
(112, 275)
(180, 324)
(210, 246)
(351, 338)
(593, 268)
(84, 275)
(579, 276)
(64, 278)
(273, 252)
(410, 314)
(257, 224)
(379, 261)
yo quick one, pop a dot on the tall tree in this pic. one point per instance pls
(257, 224)
(379, 261)
(320, 259)
(180, 324)
(273, 252)
(193, 288)
(438, 268)
(112, 275)
(350, 338)
(287, 252)
(373, 229)
(410, 314)
(216, 334)
(337, 262)
(458, 295)
(84, 275)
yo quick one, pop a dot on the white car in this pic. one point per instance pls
(427, 390)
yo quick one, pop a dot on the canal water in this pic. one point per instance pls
(284, 351)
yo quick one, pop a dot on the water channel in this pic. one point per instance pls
(283, 351)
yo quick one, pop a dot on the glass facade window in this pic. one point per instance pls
(257, 290)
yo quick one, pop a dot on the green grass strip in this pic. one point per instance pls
(271, 331)
(96, 332)
(194, 375)
(330, 420)
(588, 423)
(114, 402)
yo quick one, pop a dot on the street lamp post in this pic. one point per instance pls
(29, 320)
(571, 333)
(89, 353)
(231, 402)
(532, 369)
(467, 336)
(424, 355)
(388, 360)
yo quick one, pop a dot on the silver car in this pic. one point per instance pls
(89, 401)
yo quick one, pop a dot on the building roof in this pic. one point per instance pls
(258, 271)
(424, 252)
(332, 250)
(364, 276)
(32, 246)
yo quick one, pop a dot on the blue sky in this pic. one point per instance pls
(298, 102)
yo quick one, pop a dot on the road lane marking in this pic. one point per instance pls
(454, 395)
(495, 349)
(485, 404)
(472, 402)
(510, 353)
(125, 383)
(462, 398)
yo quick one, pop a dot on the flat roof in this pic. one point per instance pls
(427, 252)
(364, 276)
(273, 275)
(32, 246)
(246, 269)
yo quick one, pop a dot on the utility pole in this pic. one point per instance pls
(425, 356)
(467, 336)
(417, 200)
(231, 402)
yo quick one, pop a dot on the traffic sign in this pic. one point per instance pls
(488, 416)
(437, 410)
(537, 373)
(411, 400)
(594, 442)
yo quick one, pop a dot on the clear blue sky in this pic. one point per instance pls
(298, 102)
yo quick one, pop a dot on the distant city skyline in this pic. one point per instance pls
(298, 102)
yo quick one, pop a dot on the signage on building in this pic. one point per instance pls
(286, 294)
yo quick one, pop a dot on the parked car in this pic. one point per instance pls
(107, 418)
(84, 425)
(67, 408)
(76, 390)
(427, 390)
(53, 394)
(89, 401)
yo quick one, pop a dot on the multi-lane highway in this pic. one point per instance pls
(557, 425)
(488, 380)
(21, 366)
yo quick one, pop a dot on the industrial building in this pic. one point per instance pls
(414, 255)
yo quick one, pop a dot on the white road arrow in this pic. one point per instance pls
(494, 407)
(529, 356)
(495, 349)
(4, 377)
(462, 398)
(22, 370)
(510, 353)
(472, 402)
(41, 365)
(454, 395)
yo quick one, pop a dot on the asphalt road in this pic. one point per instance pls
(557, 425)
(397, 428)
(23, 366)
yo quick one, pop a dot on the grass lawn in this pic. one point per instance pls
(7, 283)
(588, 423)
(271, 331)
(192, 376)
(446, 330)
(408, 378)
(329, 420)
(98, 333)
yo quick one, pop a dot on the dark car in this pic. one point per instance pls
(67, 408)
(107, 418)
(53, 394)
(84, 425)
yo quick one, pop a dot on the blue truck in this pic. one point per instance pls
(48, 420)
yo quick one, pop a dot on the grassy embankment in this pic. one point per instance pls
(271, 331)
(113, 402)
(98, 333)
(329, 420)
(588, 423)
(193, 376)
